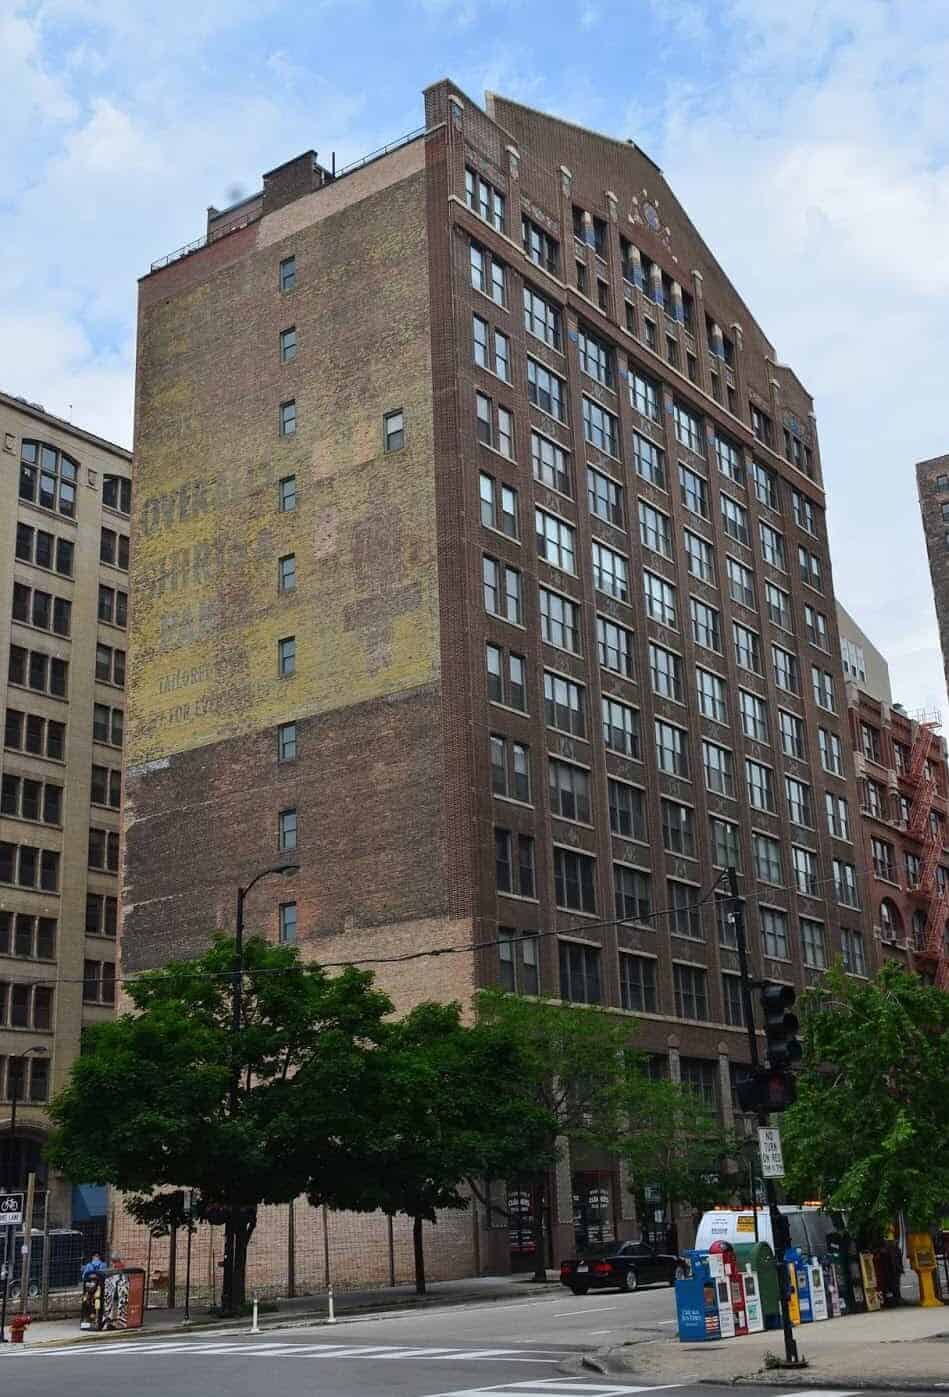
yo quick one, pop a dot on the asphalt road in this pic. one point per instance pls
(481, 1350)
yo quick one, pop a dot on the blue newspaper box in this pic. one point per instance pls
(696, 1305)
(795, 1255)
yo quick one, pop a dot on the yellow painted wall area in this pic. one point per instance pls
(208, 533)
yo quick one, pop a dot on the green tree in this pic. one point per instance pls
(577, 1065)
(675, 1145)
(446, 1112)
(868, 1130)
(146, 1107)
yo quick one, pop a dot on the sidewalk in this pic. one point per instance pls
(906, 1347)
(306, 1309)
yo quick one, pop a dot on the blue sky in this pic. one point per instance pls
(809, 141)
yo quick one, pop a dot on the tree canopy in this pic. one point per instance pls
(872, 1103)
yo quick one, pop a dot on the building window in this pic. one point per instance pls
(655, 531)
(800, 802)
(287, 742)
(822, 683)
(810, 568)
(600, 428)
(615, 647)
(711, 693)
(815, 627)
(693, 491)
(747, 647)
(107, 725)
(729, 457)
(564, 705)
(760, 782)
(287, 829)
(761, 426)
(551, 464)
(672, 753)
(732, 1001)
(559, 621)
(32, 607)
(596, 357)
(44, 550)
(106, 787)
(26, 732)
(507, 684)
(502, 590)
(786, 670)
(845, 883)
(665, 668)
(117, 493)
(700, 557)
(541, 318)
(812, 944)
(545, 390)
(98, 982)
(774, 933)
(632, 894)
(772, 546)
(637, 983)
(393, 430)
(610, 572)
(621, 728)
(803, 511)
(288, 494)
(852, 951)
(487, 274)
(767, 859)
(484, 200)
(494, 427)
(287, 573)
(627, 810)
(540, 246)
(660, 597)
(113, 607)
(510, 769)
(870, 742)
(29, 867)
(726, 846)
(498, 505)
(644, 395)
(514, 863)
(26, 799)
(574, 880)
(648, 459)
(288, 923)
(831, 752)
(288, 344)
(838, 815)
(684, 912)
(48, 478)
(804, 865)
(110, 666)
(555, 541)
(288, 273)
(33, 670)
(26, 937)
(734, 520)
(678, 828)
(288, 418)
(719, 769)
(605, 497)
(884, 859)
(517, 955)
(754, 716)
(706, 624)
(569, 791)
(287, 656)
(741, 583)
(691, 991)
(579, 973)
(688, 428)
(104, 850)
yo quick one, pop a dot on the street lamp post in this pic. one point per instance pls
(8, 1247)
(286, 870)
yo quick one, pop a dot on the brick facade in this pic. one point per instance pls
(393, 776)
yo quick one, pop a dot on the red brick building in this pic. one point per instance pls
(481, 561)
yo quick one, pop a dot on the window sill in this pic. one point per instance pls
(47, 572)
(500, 533)
(508, 800)
(48, 513)
(41, 630)
(495, 703)
(511, 460)
(516, 897)
(37, 693)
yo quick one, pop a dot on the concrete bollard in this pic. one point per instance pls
(255, 1327)
(331, 1318)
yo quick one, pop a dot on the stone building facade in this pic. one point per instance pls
(932, 482)
(65, 505)
(480, 566)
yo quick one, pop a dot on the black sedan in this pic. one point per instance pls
(620, 1266)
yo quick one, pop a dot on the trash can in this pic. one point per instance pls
(696, 1302)
(760, 1257)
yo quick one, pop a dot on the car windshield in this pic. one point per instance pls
(598, 1249)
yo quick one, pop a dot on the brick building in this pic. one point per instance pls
(65, 501)
(932, 481)
(480, 560)
(903, 779)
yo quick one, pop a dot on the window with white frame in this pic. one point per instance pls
(852, 951)
(655, 531)
(648, 459)
(741, 583)
(502, 589)
(498, 505)
(644, 395)
(800, 802)
(791, 728)
(605, 497)
(678, 828)
(665, 669)
(803, 511)
(760, 783)
(787, 673)
(813, 944)
(822, 682)
(660, 598)
(688, 428)
(701, 557)
(711, 694)
(672, 752)
(487, 274)
(564, 704)
(545, 390)
(774, 932)
(600, 428)
(484, 199)
(804, 869)
(767, 858)
(706, 624)
(734, 519)
(779, 606)
(754, 716)
(845, 883)
(719, 768)
(621, 727)
(559, 621)
(555, 541)
(772, 546)
(610, 572)
(693, 490)
(838, 815)
(551, 464)
(766, 486)
(615, 647)
(810, 568)
(831, 752)
(815, 627)
(729, 457)
(747, 647)
(541, 318)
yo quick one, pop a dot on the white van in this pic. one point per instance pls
(809, 1226)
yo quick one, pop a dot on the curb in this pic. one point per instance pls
(857, 1384)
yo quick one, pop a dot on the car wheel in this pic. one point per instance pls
(579, 1289)
(630, 1282)
(678, 1274)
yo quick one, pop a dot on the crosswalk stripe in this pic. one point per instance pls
(569, 1387)
(822, 1392)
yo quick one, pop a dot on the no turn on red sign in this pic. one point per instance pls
(11, 1209)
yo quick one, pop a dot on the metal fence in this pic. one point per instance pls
(56, 1257)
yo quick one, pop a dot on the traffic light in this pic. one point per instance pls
(783, 1048)
(767, 1089)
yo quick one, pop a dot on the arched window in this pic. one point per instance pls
(891, 923)
(48, 477)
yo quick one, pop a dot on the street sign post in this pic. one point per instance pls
(769, 1146)
(11, 1209)
(11, 1216)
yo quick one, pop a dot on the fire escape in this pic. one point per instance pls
(930, 947)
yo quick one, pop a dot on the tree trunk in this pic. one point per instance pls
(540, 1250)
(238, 1229)
(419, 1255)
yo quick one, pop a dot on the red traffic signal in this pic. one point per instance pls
(780, 1026)
(766, 1090)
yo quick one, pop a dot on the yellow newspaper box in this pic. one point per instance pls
(922, 1258)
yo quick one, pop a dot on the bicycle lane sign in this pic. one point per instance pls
(11, 1210)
